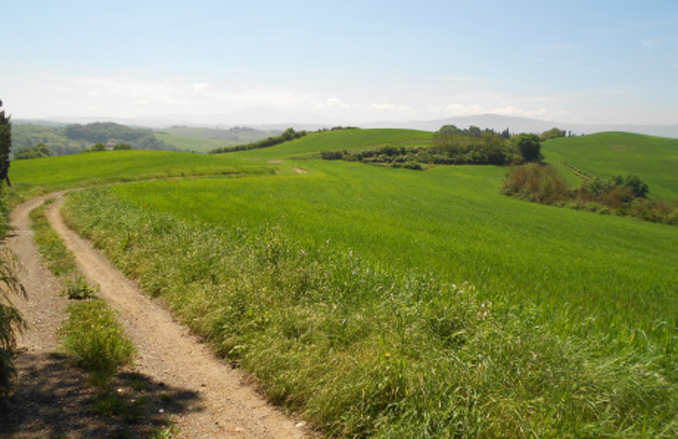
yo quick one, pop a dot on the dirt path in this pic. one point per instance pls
(166, 352)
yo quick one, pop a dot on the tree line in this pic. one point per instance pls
(452, 146)
(286, 136)
(76, 138)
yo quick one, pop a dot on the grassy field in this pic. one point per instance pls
(201, 145)
(312, 144)
(384, 302)
(57, 173)
(204, 140)
(452, 223)
(653, 159)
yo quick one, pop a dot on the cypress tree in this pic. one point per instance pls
(5, 145)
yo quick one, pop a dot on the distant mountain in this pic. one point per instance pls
(269, 119)
(525, 125)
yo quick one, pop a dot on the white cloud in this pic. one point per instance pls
(481, 102)
(328, 104)
(463, 110)
(199, 86)
(389, 107)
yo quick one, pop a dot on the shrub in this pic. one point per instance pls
(77, 288)
(537, 183)
(621, 195)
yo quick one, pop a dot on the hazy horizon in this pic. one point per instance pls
(601, 63)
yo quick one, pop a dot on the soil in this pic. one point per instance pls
(175, 377)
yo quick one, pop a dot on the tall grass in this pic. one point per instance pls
(11, 320)
(94, 339)
(365, 350)
(50, 246)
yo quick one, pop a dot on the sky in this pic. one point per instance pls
(591, 62)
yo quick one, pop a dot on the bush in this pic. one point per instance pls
(621, 195)
(537, 183)
(77, 288)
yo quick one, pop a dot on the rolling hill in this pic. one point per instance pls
(653, 159)
(382, 302)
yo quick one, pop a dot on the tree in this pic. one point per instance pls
(474, 131)
(553, 133)
(450, 129)
(32, 152)
(529, 147)
(637, 187)
(5, 145)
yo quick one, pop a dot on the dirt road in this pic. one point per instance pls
(225, 405)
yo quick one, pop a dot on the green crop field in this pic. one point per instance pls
(382, 302)
(314, 143)
(56, 173)
(653, 159)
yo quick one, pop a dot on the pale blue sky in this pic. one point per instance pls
(606, 61)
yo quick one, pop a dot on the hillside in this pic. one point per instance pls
(380, 302)
(73, 138)
(653, 159)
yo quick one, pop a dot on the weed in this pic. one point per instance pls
(77, 288)
(164, 433)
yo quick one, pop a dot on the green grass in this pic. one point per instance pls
(343, 290)
(453, 223)
(54, 253)
(653, 159)
(56, 173)
(94, 339)
(314, 143)
(367, 350)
